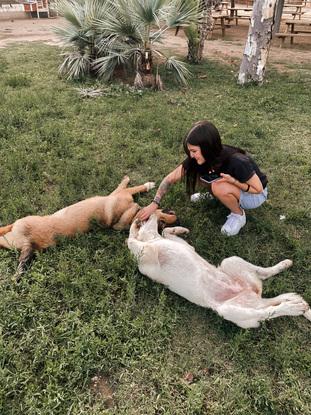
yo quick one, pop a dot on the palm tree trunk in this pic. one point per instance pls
(146, 68)
(147, 62)
(198, 35)
(192, 34)
(205, 27)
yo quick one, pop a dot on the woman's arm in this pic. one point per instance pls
(173, 177)
(253, 185)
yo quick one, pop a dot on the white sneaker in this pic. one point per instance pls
(198, 197)
(233, 224)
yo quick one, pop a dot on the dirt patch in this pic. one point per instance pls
(228, 49)
(101, 390)
(29, 30)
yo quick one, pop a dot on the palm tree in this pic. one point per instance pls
(107, 34)
(197, 32)
(79, 35)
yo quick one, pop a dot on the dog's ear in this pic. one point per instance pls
(167, 216)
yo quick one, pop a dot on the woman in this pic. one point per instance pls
(241, 185)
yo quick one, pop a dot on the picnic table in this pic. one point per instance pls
(235, 13)
(221, 17)
(225, 14)
(295, 28)
(224, 22)
(294, 10)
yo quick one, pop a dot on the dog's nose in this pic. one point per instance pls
(138, 223)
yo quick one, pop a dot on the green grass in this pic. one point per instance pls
(83, 309)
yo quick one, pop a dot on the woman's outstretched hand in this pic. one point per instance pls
(147, 211)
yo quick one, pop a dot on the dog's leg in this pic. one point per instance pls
(171, 233)
(238, 266)
(123, 185)
(141, 188)
(11, 240)
(247, 310)
(126, 218)
(5, 229)
(25, 256)
(5, 242)
(175, 230)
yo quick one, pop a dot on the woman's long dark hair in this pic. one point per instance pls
(205, 135)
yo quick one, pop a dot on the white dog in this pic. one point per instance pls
(233, 289)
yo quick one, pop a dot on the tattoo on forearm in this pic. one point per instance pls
(163, 189)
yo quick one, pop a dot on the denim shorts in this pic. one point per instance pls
(252, 200)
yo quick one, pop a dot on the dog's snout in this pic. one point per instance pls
(138, 223)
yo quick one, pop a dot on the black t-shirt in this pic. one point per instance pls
(240, 166)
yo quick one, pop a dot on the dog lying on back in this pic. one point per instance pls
(117, 210)
(233, 289)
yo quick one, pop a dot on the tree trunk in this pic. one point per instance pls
(278, 15)
(193, 43)
(197, 36)
(148, 78)
(258, 42)
(146, 62)
(205, 27)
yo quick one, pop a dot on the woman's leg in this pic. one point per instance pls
(228, 194)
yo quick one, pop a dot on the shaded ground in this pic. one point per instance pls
(228, 48)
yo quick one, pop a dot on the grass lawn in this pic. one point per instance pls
(83, 309)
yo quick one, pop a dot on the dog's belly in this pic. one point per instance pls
(187, 274)
(227, 287)
(80, 214)
(42, 231)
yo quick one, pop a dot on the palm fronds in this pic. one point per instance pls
(148, 11)
(75, 65)
(179, 70)
(109, 33)
(181, 13)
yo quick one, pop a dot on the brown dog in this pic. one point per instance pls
(117, 210)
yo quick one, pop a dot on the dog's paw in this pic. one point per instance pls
(294, 306)
(286, 263)
(176, 230)
(179, 230)
(149, 185)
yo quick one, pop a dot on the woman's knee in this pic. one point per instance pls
(219, 188)
(222, 189)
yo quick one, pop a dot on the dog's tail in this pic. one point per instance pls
(5, 229)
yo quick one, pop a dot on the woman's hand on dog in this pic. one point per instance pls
(147, 211)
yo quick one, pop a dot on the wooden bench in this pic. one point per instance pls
(292, 36)
(224, 22)
(235, 13)
(294, 14)
(294, 10)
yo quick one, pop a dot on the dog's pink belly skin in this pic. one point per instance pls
(235, 287)
(208, 290)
